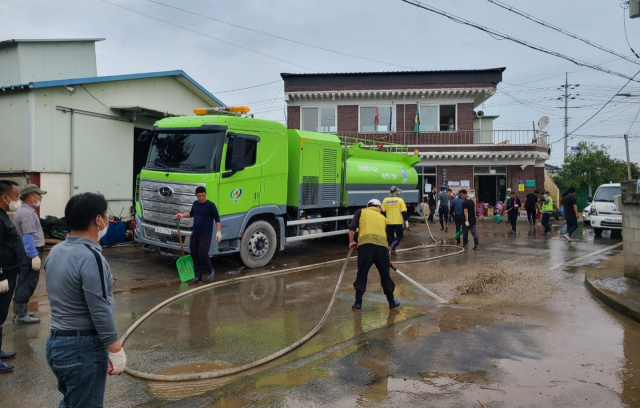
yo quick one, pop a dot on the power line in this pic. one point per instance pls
(278, 37)
(634, 121)
(274, 99)
(561, 30)
(249, 87)
(495, 33)
(603, 106)
(208, 36)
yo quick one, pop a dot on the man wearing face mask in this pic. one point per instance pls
(11, 257)
(27, 224)
(84, 345)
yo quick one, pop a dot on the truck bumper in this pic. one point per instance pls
(145, 233)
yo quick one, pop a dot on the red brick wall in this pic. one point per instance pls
(456, 173)
(465, 116)
(293, 117)
(348, 118)
(515, 173)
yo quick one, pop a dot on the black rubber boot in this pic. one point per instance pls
(21, 314)
(198, 275)
(210, 277)
(393, 304)
(357, 305)
(4, 367)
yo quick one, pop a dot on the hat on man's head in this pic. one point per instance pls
(394, 191)
(374, 202)
(443, 188)
(31, 188)
(509, 189)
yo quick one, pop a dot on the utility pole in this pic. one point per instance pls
(626, 143)
(566, 115)
(567, 96)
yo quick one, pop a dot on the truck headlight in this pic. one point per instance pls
(593, 210)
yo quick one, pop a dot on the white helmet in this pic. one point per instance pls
(374, 202)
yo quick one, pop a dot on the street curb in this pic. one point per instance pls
(614, 304)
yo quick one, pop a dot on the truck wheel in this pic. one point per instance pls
(597, 231)
(258, 244)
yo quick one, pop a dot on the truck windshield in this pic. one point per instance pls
(606, 194)
(186, 152)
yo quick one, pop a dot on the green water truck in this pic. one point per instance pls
(272, 185)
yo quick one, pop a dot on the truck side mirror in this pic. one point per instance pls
(237, 160)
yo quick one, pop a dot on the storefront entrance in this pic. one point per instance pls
(491, 184)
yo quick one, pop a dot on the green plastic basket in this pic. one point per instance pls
(497, 218)
(185, 268)
(457, 235)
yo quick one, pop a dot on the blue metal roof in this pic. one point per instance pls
(93, 80)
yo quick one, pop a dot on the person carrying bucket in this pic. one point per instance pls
(395, 210)
(513, 210)
(204, 213)
(547, 211)
(372, 249)
(469, 216)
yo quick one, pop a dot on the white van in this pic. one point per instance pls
(604, 213)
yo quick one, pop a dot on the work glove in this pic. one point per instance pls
(353, 245)
(36, 263)
(406, 225)
(4, 286)
(117, 362)
(466, 223)
(218, 236)
(177, 216)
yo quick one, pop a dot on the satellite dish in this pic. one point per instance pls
(543, 122)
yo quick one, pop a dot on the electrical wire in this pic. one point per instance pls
(624, 24)
(249, 87)
(495, 33)
(279, 37)
(208, 36)
(274, 99)
(634, 121)
(563, 31)
(603, 106)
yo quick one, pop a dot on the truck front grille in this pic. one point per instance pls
(161, 200)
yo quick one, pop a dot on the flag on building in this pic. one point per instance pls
(377, 119)
(416, 121)
(392, 120)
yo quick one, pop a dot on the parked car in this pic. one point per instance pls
(586, 216)
(604, 214)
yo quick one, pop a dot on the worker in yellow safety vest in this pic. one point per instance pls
(395, 210)
(372, 249)
(547, 211)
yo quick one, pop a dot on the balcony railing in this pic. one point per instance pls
(460, 137)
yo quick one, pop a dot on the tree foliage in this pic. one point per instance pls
(592, 166)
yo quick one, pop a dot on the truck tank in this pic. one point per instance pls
(370, 171)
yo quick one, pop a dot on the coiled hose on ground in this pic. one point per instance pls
(279, 353)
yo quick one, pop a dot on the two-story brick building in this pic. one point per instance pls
(384, 105)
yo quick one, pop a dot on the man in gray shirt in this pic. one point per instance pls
(83, 346)
(443, 208)
(27, 224)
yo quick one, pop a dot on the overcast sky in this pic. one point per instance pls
(398, 35)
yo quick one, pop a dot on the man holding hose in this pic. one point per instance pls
(372, 249)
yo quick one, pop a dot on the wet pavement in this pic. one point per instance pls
(514, 332)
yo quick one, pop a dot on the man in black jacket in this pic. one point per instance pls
(513, 210)
(11, 257)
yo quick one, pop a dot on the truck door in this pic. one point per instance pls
(240, 190)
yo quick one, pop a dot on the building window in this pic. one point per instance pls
(429, 118)
(490, 170)
(368, 122)
(447, 118)
(438, 118)
(319, 119)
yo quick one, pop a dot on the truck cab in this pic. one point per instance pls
(605, 215)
